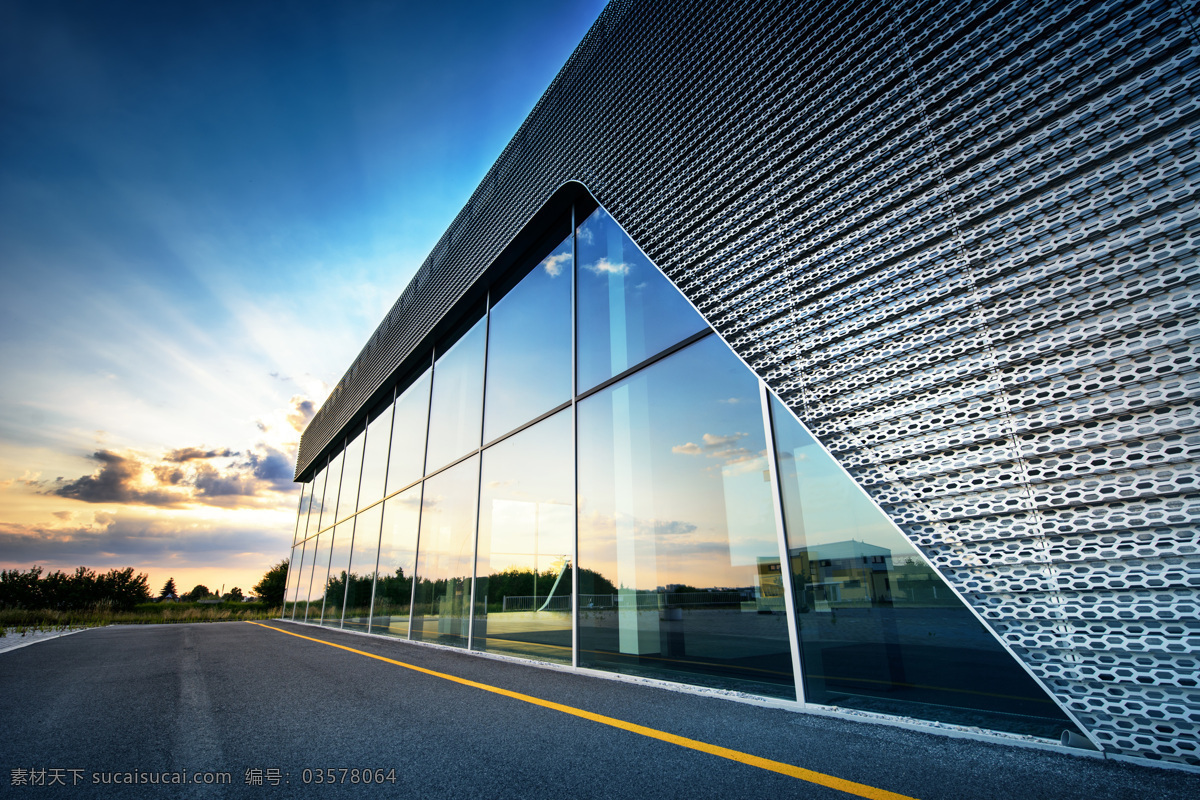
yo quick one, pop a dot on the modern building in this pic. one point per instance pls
(843, 354)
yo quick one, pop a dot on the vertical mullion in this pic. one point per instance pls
(292, 557)
(487, 335)
(387, 465)
(412, 596)
(785, 563)
(574, 455)
(332, 532)
(353, 517)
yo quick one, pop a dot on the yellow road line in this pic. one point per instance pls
(819, 778)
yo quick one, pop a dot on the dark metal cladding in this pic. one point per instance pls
(960, 241)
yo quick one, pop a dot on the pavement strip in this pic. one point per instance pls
(811, 776)
(13, 641)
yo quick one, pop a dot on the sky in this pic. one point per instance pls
(205, 210)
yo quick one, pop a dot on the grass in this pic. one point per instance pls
(20, 621)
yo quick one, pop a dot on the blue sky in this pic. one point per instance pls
(205, 209)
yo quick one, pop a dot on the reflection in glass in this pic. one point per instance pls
(351, 472)
(361, 579)
(397, 558)
(332, 484)
(302, 512)
(678, 549)
(406, 456)
(526, 534)
(316, 504)
(318, 572)
(443, 594)
(339, 562)
(529, 346)
(375, 459)
(456, 410)
(304, 580)
(879, 629)
(628, 310)
(295, 567)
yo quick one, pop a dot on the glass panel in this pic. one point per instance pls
(628, 310)
(335, 586)
(351, 472)
(444, 555)
(678, 550)
(397, 557)
(330, 506)
(315, 505)
(362, 568)
(304, 581)
(320, 571)
(406, 457)
(302, 512)
(529, 346)
(375, 459)
(295, 567)
(526, 531)
(879, 629)
(456, 411)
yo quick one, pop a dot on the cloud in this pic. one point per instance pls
(301, 410)
(713, 446)
(124, 538)
(725, 449)
(185, 476)
(711, 440)
(605, 267)
(30, 479)
(272, 465)
(183, 454)
(210, 482)
(673, 527)
(120, 479)
(170, 475)
(554, 264)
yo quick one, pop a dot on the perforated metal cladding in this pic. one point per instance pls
(960, 241)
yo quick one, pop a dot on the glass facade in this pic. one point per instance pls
(676, 528)
(526, 543)
(529, 346)
(360, 579)
(442, 598)
(410, 420)
(397, 563)
(664, 517)
(627, 310)
(879, 630)
(455, 410)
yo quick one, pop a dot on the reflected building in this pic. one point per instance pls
(844, 456)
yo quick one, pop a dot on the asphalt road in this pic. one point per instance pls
(233, 697)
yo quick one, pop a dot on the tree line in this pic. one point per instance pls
(81, 589)
(118, 589)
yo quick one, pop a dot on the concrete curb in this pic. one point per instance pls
(16, 642)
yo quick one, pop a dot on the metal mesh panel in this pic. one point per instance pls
(959, 240)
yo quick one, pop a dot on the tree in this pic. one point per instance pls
(199, 593)
(123, 588)
(273, 584)
(168, 590)
(235, 595)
